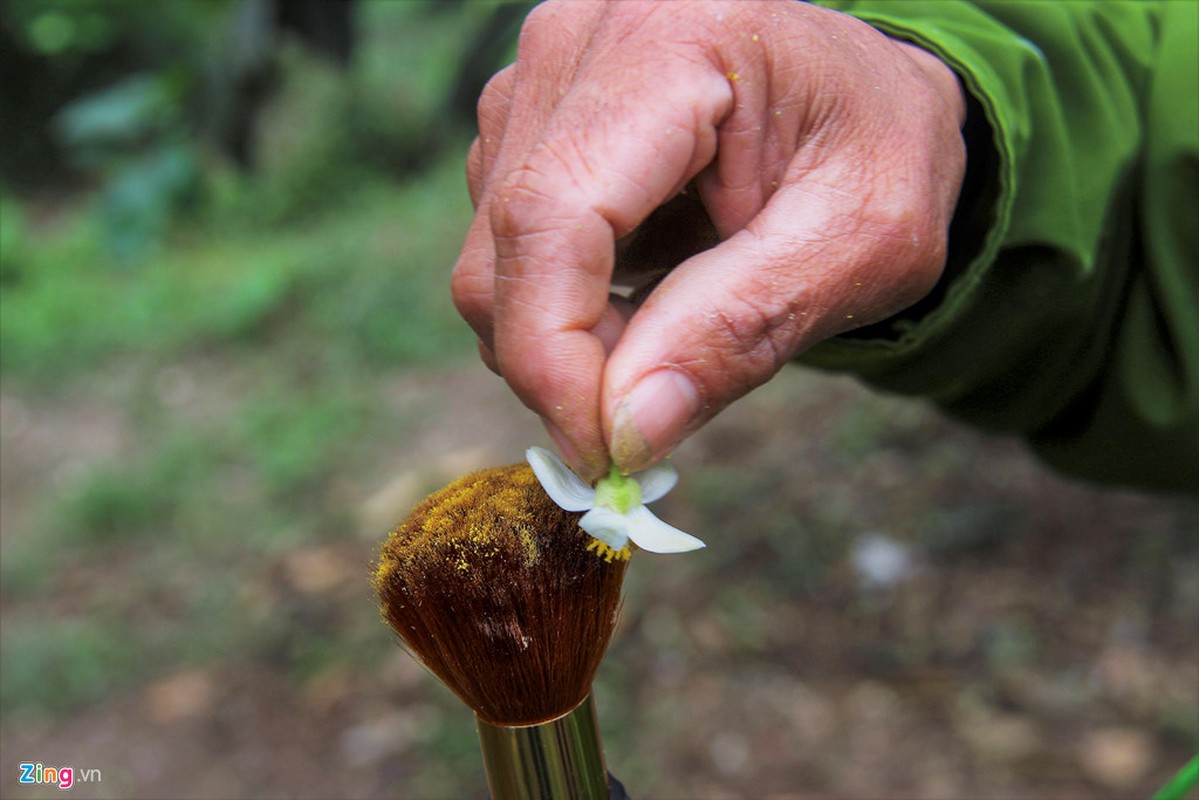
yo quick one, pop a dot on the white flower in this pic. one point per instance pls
(615, 507)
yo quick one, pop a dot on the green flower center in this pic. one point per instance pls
(617, 492)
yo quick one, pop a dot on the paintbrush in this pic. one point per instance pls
(491, 586)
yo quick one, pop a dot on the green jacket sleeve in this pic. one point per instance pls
(1069, 309)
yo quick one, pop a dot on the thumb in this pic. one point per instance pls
(725, 321)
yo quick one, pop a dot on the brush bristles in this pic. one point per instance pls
(491, 586)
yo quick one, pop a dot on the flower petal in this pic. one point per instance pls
(652, 534)
(610, 527)
(656, 481)
(563, 486)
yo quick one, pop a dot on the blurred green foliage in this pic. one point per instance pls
(108, 90)
(238, 319)
(356, 286)
(62, 664)
(72, 30)
(153, 103)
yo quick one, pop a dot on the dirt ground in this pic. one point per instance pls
(890, 606)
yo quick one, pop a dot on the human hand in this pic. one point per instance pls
(827, 156)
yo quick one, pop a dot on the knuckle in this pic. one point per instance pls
(892, 217)
(908, 235)
(507, 221)
(749, 343)
(517, 203)
(475, 172)
(494, 99)
(906, 227)
(472, 301)
(539, 31)
(464, 289)
(738, 329)
(472, 285)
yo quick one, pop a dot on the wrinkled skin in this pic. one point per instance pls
(827, 156)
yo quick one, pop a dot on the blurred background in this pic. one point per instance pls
(230, 362)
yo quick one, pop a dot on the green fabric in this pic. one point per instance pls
(1069, 311)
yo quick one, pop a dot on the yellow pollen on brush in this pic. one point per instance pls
(475, 525)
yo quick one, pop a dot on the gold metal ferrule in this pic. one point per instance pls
(561, 759)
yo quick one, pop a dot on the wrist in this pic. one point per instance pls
(940, 75)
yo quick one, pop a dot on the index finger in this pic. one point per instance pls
(617, 147)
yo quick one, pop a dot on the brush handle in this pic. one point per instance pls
(557, 760)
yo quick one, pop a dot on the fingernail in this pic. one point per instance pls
(652, 418)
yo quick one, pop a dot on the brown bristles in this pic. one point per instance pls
(490, 584)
